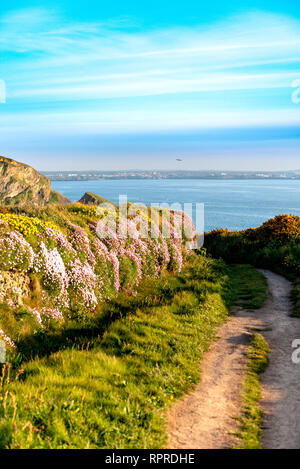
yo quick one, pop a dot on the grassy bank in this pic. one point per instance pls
(62, 263)
(251, 423)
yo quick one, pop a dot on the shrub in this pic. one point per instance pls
(274, 245)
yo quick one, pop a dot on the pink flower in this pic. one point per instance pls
(15, 252)
(53, 313)
(7, 339)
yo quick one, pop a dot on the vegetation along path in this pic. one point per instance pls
(206, 417)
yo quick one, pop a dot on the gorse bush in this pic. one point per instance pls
(24, 224)
(280, 229)
(274, 245)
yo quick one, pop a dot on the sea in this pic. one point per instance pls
(233, 204)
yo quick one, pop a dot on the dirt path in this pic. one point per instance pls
(205, 418)
(281, 380)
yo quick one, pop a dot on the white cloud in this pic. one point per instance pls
(112, 122)
(62, 61)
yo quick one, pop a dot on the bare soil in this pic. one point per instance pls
(208, 416)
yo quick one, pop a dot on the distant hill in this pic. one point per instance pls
(20, 185)
(89, 198)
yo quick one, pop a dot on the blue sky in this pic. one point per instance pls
(120, 85)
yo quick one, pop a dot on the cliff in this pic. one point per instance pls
(20, 185)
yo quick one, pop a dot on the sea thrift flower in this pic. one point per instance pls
(54, 271)
(53, 313)
(83, 280)
(138, 262)
(15, 252)
(60, 239)
(36, 314)
(81, 243)
(100, 248)
(7, 339)
(116, 266)
(68, 271)
(105, 232)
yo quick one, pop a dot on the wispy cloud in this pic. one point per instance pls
(51, 60)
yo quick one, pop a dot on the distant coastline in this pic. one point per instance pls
(168, 174)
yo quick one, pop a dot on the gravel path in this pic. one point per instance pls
(281, 380)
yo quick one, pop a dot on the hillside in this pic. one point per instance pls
(60, 262)
(89, 198)
(20, 185)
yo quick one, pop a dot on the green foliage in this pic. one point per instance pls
(248, 286)
(54, 197)
(296, 299)
(251, 423)
(17, 322)
(275, 246)
(272, 246)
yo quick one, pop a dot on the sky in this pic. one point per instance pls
(136, 84)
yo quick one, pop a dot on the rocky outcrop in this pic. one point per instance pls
(93, 199)
(20, 184)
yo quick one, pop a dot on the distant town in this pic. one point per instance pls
(168, 174)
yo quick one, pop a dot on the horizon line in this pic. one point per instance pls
(171, 169)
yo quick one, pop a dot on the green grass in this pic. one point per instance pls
(251, 423)
(296, 299)
(249, 290)
(109, 387)
(248, 286)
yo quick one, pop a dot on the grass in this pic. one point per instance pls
(251, 423)
(249, 290)
(111, 386)
(248, 286)
(296, 299)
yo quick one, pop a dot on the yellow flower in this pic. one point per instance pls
(26, 225)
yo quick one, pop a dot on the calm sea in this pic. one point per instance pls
(232, 204)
